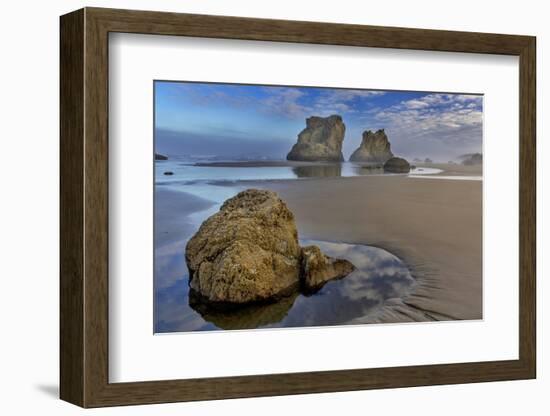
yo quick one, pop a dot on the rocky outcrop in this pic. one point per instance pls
(318, 269)
(321, 140)
(397, 165)
(374, 148)
(158, 156)
(248, 252)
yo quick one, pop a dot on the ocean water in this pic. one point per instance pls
(187, 173)
(379, 275)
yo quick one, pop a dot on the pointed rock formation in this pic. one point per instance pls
(320, 141)
(374, 148)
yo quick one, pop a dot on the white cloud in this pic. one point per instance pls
(284, 101)
(288, 102)
(335, 101)
(336, 95)
(435, 125)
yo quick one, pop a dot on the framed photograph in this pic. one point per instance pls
(255, 207)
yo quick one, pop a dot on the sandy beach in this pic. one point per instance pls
(434, 226)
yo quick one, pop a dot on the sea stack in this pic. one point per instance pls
(158, 156)
(248, 252)
(320, 141)
(374, 148)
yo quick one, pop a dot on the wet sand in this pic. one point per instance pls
(169, 226)
(435, 226)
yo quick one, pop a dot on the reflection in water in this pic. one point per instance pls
(189, 174)
(379, 276)
(331, 170)
(247, 317)
(314, 171)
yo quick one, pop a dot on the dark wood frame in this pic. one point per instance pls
(84, 207)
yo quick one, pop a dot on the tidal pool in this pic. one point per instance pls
(379, 275)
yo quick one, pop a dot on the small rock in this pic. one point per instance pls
(318, 269)
(158, 156)
(168, 173)
(397, 165)
(472, 159)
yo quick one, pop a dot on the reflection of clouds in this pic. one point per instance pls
(379, 275)
(172, 311)
(170, 264)
(376, 286)
(363, 257)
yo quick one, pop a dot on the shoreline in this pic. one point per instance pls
(451, 168)
(261, 164)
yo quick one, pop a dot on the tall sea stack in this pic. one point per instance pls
(320, 141)
(374, 148)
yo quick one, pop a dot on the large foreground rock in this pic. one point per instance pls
(246, 252)
(318, 269)
(321, 140)
(374, 148)
(397, 165)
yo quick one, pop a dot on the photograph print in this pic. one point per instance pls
(294, 206)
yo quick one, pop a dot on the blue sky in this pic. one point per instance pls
(233, 120)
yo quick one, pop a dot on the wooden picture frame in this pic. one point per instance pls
(84, 207)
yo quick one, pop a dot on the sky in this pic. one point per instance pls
(235, 120)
